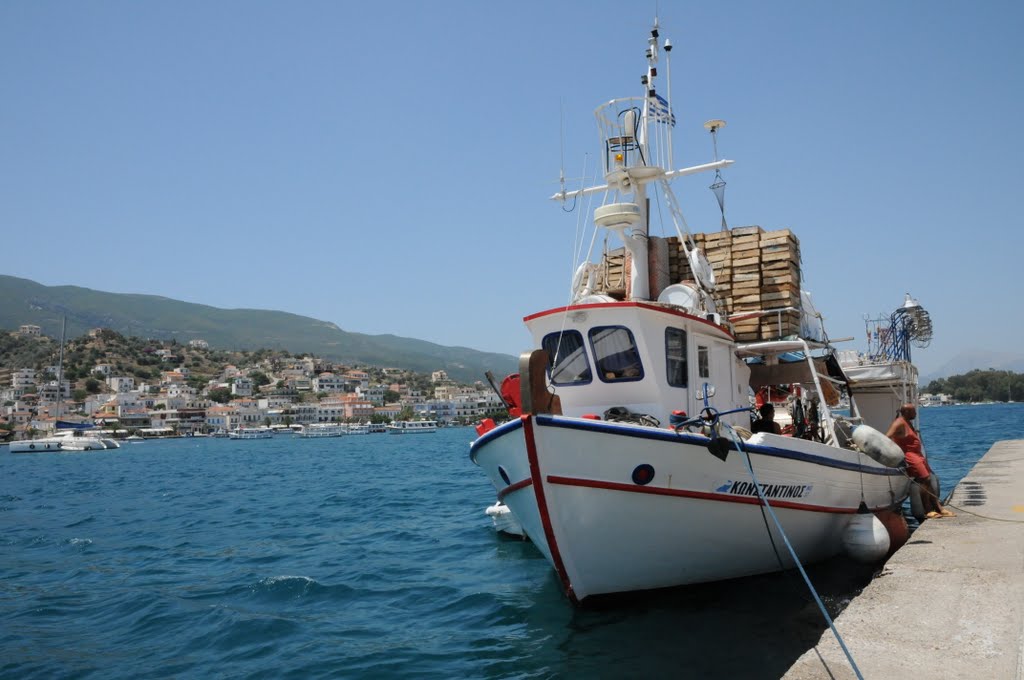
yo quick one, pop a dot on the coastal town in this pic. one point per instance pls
(176, 390)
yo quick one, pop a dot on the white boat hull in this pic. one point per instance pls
(35, 445)
(697, 519)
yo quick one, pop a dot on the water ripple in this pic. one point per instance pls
(361, 556)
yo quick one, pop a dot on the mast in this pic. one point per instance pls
(636, 133)
(60, 369)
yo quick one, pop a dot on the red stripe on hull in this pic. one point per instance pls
(512, 488)
(702, 495)
(542, 507)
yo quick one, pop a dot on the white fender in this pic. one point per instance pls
(873, 443)
(580, 289)
(865, 538)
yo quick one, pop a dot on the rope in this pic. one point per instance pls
(928, 491)
(778, 525)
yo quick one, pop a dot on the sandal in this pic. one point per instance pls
(947, 513)
(932, 515)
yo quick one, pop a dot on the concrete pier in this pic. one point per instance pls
(950, 603)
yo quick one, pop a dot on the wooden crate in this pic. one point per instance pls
(782, 298)
(747, 231)
(776, 326)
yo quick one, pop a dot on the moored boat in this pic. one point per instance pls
(317, 430)
(251, 433)
(412, 427)
(504, 521)
(600, 464)
(36, 445)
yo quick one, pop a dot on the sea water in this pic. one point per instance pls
(360, 556)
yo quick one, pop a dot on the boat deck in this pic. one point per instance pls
(950, 603)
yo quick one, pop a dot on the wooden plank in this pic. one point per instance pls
(785, 298)
(780, 256)
(780, 287)
(746, 300)
(752, 239)
(783, 241)
(745, 231)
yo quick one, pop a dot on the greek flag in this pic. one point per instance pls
(660, 111)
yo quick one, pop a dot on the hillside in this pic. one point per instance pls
(149, 316)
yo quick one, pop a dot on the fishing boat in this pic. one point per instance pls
(412, 427)
(885, 378)
(599, 462)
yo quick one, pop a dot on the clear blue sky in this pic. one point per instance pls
(386, 166)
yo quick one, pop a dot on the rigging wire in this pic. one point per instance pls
(778, 525)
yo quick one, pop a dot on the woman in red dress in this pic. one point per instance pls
(903, 433)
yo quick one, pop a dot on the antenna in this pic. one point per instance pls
(561, 145)
(718, 186)
(668, 79)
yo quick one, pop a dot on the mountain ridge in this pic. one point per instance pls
(971, 359)
(23, 301)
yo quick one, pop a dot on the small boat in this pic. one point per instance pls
(134, 439)
(322, 430)
(504, 521)
(608, 476)
(412, 427)
(251, 433)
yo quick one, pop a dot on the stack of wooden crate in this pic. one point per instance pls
(756, 271)
(780, 283)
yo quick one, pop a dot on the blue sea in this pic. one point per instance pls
(364, 556)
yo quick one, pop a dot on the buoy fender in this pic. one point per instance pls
(876, 445)
(866, 538)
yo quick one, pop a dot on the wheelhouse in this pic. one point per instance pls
(646, 357)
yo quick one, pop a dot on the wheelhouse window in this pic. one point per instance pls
(615, 354)
(567, 358)
(675, 357)
(703, 362)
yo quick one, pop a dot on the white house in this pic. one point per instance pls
(121, 383)
(242, 387)
(328, 382)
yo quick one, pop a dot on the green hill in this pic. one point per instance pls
(151, 316)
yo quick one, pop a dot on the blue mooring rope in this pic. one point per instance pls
(789, 546)
(711, 417)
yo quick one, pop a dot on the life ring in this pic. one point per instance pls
(32, 446)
